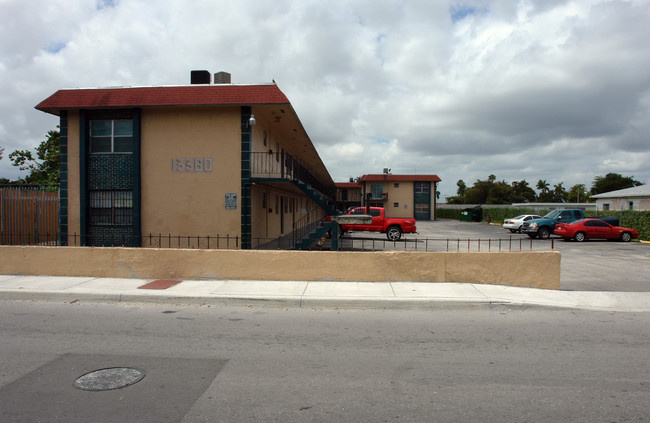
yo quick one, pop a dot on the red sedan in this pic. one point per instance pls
(593, 228)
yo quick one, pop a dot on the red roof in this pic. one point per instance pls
(347, 185)
(189, 95)
(404, 178)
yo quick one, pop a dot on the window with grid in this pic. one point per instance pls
(376, 191)
(111, 136)
(111, 208)
(422, 187)
(421, 208)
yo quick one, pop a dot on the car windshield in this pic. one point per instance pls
(552, 215)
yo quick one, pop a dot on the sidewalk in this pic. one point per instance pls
(309, 294)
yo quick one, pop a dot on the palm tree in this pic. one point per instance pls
(559, 193)
(542, 185)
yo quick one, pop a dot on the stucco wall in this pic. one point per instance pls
(190, 202)
(403, 195)
(512, 269)
(623, 203)
(74, 226)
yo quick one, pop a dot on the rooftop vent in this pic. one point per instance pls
(200, 77)
(222, 78)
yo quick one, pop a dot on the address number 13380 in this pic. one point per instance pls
(191, 165)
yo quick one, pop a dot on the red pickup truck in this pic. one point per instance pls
(392, 227)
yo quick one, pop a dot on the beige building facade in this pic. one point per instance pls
(152, 166)
(406, 196)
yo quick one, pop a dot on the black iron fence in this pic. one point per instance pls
(511, 244)
(227, 242)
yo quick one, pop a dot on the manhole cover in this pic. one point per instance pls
(107, 379)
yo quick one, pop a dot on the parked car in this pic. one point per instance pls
(393, 227)
(544, 227)
(514, 224)
(583, 229)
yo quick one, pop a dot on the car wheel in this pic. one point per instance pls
(543, 233)
(580, 236)
(394, 233)
(626, 237)
(519, 229)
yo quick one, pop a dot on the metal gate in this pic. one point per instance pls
(29, 214)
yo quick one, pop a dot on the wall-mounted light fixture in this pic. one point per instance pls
(251, 120)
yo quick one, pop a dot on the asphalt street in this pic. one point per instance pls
(244, 364)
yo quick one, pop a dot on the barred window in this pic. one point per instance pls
(111, 136)
(111, 208)
(421, 208)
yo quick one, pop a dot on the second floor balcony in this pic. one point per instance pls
(284, 167)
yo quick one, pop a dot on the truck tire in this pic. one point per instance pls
(543, 233)
(393, 233)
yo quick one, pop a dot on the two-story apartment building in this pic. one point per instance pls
(143, 163)
(406, 196)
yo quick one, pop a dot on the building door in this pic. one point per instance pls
(422, 200)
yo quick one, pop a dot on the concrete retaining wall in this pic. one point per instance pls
(525, 269)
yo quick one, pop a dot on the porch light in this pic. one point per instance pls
(251, 120)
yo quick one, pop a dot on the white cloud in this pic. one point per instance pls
(535, 89)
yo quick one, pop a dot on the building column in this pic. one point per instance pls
(246, 135)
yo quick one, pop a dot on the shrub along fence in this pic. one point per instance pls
(496, 214)
(638, 220)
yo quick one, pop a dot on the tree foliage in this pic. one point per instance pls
(491, 191)
(522, 193)
(577, 194)
(44, 168)
(612, 182)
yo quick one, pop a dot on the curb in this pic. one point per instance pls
(301, 301)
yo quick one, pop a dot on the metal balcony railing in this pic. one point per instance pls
(270, 165)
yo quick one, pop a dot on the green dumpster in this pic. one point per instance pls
(473, 214)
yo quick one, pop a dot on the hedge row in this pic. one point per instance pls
(638, 220)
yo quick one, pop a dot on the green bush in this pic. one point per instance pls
(448, 214)
(637, 220)
(498, 215)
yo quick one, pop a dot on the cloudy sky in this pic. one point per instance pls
(532, 89)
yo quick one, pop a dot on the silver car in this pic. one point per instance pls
(514, 223)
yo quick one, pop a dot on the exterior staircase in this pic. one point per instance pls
(321, 229)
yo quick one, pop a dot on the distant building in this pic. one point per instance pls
(400, 195)
(635, 198)
(348, 194)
